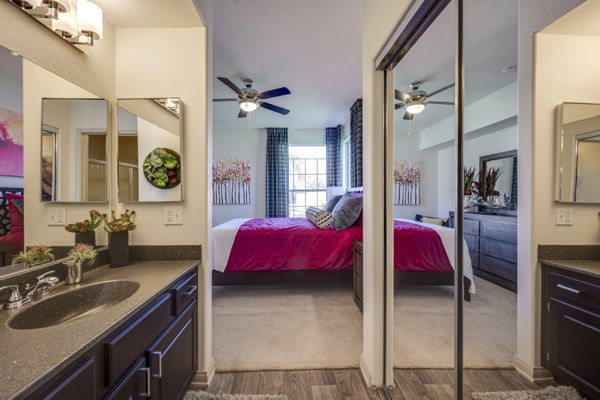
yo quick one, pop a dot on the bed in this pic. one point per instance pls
(293, 250)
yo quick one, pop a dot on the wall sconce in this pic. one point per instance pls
(78, 22)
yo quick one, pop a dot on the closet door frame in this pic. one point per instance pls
(417, 20)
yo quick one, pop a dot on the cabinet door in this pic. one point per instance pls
(134, 385)
(173, 358)
(79, 384)
(573, 346)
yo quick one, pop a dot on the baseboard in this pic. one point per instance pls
(365, 374)
(203, 378)
(531, 373)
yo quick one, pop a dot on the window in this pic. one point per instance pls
(308, 174)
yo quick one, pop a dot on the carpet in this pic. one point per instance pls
(193, 395)
(320, 327)
(549, 393)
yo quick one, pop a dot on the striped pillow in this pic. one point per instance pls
(321, 218)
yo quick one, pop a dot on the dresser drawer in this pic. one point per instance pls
(575, 291)
(496, 266)
(499, 249)
(504, 231)
(471, 226)
(472, 242)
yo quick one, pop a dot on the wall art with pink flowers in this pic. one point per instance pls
(407, 182)
(231, 181)
(11, 143)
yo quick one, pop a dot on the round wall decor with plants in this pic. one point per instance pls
(162, 168)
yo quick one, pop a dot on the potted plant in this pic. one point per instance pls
(79, 255)
(470, 174)
(491, 178)
(35, 255)
(118, 229)
(85, 231)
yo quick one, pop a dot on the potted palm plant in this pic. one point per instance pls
(118, 229)
(470, 174)
(85, 231)
(35, 255)
(491, 178)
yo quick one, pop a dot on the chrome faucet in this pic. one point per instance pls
(34, 292)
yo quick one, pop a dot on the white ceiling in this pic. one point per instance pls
(582, 21)
(150, 13)
(490, 32)
(313, 47)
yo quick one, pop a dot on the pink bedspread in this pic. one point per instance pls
(290, 244)
(418, 248)
(295, 244)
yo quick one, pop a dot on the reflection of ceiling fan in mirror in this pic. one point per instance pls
(250, 99)
(415, 101)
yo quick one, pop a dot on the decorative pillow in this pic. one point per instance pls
(435, 221)
(346, 212)
(359, 221)
(16, 214)
(321, 218)
(332, 203)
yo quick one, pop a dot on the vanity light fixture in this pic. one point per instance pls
(77, 21)
(414, 107)
(248, 105)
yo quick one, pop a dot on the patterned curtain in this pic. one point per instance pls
(356, 144)
(277, 182)
(333, 144)
(515, 187)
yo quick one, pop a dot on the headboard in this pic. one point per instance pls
(4, 217)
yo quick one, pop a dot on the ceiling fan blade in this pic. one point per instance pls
(230, 84)
(218, 100)
(242, 114)
(274, 93)
(404, 97)
(445, 103)
(273, 107)
(408, 116)
(440, 90)
(398, 106)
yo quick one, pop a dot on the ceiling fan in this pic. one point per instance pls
(250, 99)
(415, 101)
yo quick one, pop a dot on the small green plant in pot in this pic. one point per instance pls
(85, 231)
(36, 255)
(118, 229)
(80, 254)
(491, 179)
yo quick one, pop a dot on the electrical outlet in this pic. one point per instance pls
(57, 216)
(564, 216)
(173, 216)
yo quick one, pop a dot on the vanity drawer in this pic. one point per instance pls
(136, 337)
(576, 291)
(79, 384)
(184, 292)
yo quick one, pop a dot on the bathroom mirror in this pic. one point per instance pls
(577, 176)
(150, 153)
(74, 150)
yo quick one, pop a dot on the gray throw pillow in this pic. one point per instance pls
(346, 212)
(332, 203)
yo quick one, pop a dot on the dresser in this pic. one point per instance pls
(492, 243)
(571, 323)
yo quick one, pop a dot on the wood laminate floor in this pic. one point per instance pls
(346, 384)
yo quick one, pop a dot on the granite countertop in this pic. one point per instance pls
(588, 267)
(28, 358)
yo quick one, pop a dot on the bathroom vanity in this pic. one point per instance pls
(140, 343)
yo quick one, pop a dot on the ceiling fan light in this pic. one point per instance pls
(248, 106)
(415, 107)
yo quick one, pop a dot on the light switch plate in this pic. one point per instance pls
(173, 216)
(564, 216)
(57, 216)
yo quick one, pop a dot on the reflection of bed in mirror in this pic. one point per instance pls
(293, 250)
(11, 224)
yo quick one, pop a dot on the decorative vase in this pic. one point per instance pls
(74, 274)
(118, 249)
(86, 238)
(466, 200)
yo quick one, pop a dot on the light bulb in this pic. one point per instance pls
(415, 107)
(89, 19)
(248, 106)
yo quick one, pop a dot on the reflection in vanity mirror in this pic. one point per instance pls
(149, 156)
(577, 177)
(74, 150)
(505, 187)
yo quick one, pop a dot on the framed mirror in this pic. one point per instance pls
(577, 176)
(150, 152)
(498, 179)
(74, 150)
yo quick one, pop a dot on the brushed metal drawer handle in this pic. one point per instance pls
(568, 289)
(148, 382)
(191, 291)
(159, 354)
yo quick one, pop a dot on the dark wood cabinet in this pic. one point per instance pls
(571, 328)
(153, 354)
(358, 273)
(492, 243)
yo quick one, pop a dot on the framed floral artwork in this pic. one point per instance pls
(11, 143)
(231, 181)
(407, 182)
